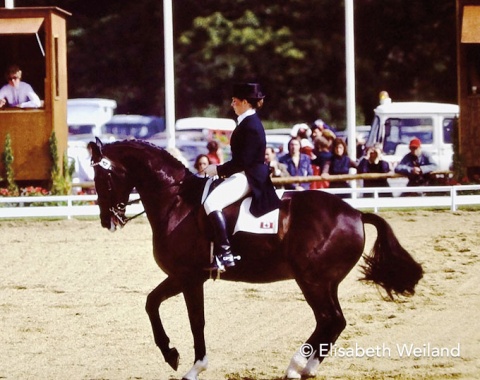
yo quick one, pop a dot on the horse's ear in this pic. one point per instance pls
(95, 149)
(99, 143)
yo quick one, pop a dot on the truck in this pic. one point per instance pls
(396, 123)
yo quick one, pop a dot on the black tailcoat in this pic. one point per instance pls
(248, 154)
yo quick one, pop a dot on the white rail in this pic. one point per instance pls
(69, 206)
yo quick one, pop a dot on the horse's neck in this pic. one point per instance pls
(159, 178)
(164, 206)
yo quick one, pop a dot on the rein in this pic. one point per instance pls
(122, 207)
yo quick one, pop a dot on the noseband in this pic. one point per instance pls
(118, 211)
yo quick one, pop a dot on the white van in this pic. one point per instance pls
(86, 116)
(396, 123)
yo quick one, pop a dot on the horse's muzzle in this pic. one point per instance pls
(110, 221)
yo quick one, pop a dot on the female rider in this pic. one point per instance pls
(245, 173)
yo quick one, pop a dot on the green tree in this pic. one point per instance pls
(295, 48)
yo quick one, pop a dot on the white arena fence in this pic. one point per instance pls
(70, 206)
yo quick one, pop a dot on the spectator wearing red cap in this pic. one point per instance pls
(416, 165)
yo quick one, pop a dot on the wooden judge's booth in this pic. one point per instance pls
(35, 40)
(468, 70)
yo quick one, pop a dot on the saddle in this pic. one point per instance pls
(246, 222)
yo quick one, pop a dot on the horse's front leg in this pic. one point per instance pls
(166, 289)
(194, 299)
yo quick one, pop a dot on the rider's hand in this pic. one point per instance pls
(211, 170)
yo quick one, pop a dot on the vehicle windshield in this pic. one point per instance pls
(131, 130)
(402, 130)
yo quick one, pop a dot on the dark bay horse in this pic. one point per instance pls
(320, 240)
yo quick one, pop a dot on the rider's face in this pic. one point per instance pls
(240, 105)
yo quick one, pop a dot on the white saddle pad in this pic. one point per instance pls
(265, 224)
(246, 222)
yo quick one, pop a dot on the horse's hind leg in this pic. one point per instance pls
(166, 289)
(323, 300)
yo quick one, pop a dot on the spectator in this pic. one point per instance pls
(277, 169)
(302, 132)
(360, 148)
(298, 164)
(340, 163)
(17, 93)
(373, 163)
(330, 136)
(416, 165)
(321, 156)
(201, 162)
(318, 128)
(320, 124)
(215, 154)
(316, 132)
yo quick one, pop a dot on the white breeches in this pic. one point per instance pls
(228, 192)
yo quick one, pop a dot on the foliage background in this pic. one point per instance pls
(294, 48)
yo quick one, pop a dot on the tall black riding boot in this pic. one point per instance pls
(223, 256)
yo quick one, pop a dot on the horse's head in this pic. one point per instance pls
(112, 186)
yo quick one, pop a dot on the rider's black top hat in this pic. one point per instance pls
(247, 91)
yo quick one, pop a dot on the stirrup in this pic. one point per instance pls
(216, 265)
(228, 260)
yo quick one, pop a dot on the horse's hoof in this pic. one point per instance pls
(292, 374)
(173, 358)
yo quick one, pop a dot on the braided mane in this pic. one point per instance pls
(153, 151)
(160, 161)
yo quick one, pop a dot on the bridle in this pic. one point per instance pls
(118, 210)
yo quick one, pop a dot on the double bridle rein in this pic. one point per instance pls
(119, 209)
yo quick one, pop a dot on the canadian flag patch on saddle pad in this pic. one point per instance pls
(246, 222)
(265, 224)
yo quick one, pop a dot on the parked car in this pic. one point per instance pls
(79, 155)
(279, 142)
(189, 149)
(134, 126)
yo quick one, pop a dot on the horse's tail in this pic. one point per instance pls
(389, 264)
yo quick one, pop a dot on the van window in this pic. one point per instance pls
(136, 126)
(447, 130)
(84, 129)
(402, 130)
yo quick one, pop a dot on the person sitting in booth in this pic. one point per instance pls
(17, 93)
